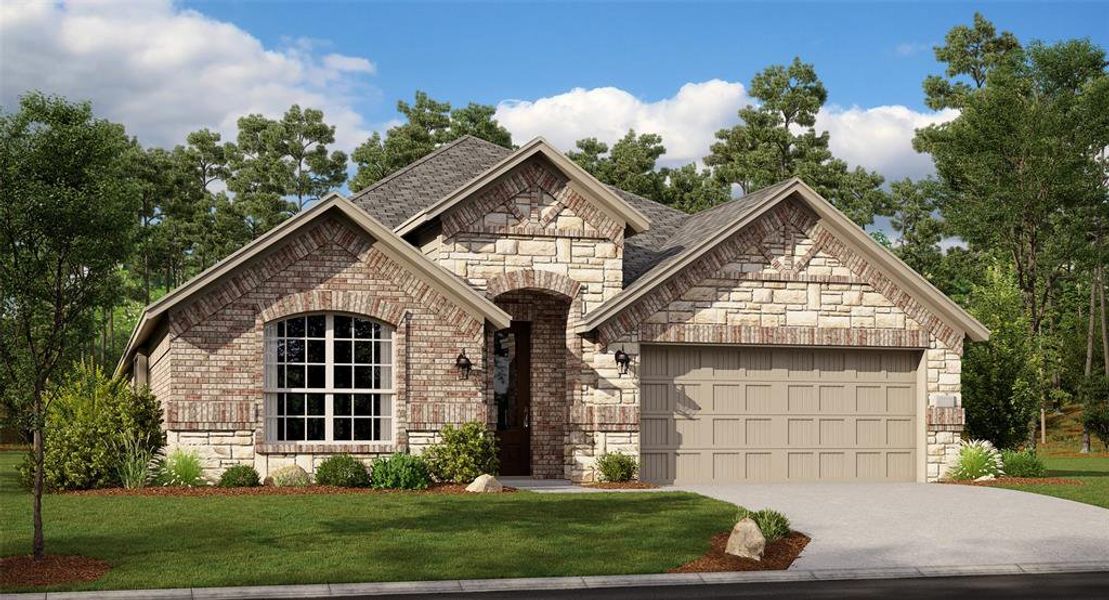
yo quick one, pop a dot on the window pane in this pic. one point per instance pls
(363, 353)
(385, 353)
(342, 326)
(363, 405)
(317, 375)
(317, 326)
(294, 429)
(342, 352)
(281, 329)
(386, 430)
(294, 404)
(342, 404)
(363, 329)
(342, 429)
(363, 377)
(295, 327)
(280, 350)
(294, 351)
(315, 404)
(294, 376)
(281, 377)
(363, 429)
(342, 377)
(316, 351)
(386, 374)
(280, 402)
(279, 430)
(316, 429)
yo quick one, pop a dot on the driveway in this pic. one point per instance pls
(859, 525)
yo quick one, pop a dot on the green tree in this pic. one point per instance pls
(915, 219)
(259, 178)
(66, 224)
(629, 165)
(312, 171)
(691, 190)
(477, 120)
(777, 140)
(970, 54)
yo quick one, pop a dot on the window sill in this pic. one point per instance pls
(325, 447)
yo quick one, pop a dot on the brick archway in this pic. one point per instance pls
(536, 280)
(361, 303)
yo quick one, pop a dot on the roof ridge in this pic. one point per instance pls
(412, 165)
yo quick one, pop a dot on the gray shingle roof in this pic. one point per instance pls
(410, 190)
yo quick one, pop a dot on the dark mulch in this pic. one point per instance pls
(20, 571)
(1001, 481)
(621, 485)
(778, 556)
(436, 489)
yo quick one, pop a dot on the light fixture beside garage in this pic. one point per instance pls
(622, 361)
(464, 365)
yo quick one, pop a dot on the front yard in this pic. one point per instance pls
(1092, 471)
(154, 542)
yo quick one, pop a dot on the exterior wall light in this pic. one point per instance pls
(622, 361)
(464, 365)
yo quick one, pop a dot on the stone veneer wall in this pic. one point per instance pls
(210, 381)
(782, 280)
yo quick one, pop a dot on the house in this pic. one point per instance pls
(768, 338)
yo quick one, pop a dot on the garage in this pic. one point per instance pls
(726, 414)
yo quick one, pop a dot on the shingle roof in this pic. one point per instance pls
(406, 192)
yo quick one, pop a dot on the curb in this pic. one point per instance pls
(339, 590)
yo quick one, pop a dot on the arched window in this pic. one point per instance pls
(329, 378)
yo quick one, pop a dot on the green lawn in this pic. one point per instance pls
(1093, 471)
(218, 541)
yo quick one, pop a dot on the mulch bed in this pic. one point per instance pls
(621, 485)
(20, 571)
(1021, 481)
(312, 490)
(778, 556)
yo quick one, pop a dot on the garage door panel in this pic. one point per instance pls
(781, 414)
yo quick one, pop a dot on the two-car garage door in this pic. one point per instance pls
(730, 414)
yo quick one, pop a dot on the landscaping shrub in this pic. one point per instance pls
(463, 453)
(90, 421)
(977, 458)
(239, 476)
(289, 476)
(182, 468)
(773, 524)
(1023, 463)
(342, 470)
(135, 467)
(400, 471)
(1095, 407)
(616, 467)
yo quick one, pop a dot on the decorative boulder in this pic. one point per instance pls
(987, 477)
(290, 476)
(746, 540)
(485, 483)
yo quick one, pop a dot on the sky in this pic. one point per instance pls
(563, 71)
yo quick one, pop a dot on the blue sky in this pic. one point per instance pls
(564, 71)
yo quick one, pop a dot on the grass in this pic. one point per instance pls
(218, 541)
(1092, 470)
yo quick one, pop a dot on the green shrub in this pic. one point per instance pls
(400, 471)
(342, 470)
(135, 467)
(1022, 463)
(289, 476)
(463, 454)
(239, 476)
(617, 467)
(90, 420)
(182, 468)
(977, 458)
(1094, 392)
(773, 524)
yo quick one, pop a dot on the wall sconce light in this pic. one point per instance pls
(464, 365)
(622, 361)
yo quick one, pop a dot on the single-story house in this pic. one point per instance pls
(765, 339)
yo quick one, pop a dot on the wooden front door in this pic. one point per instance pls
(512, 392)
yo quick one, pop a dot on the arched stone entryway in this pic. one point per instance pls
(529, 384)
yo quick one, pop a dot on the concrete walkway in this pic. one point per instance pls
(891, 525)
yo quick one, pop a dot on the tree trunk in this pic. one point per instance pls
(1104, 333)
(38, 543)
(1090, 328)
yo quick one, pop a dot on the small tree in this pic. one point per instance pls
(66, 224)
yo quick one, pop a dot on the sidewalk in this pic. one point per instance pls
(339, 590)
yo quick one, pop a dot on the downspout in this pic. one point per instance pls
(407, 367)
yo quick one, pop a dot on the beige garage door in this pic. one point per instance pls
(727, 414)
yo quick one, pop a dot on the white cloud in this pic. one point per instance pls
(907, 49)
(164, 71)
(686, 121)
(880, 138)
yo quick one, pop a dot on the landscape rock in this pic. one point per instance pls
(290, 476)
(485, 483)
(746, 540)
(987, 477)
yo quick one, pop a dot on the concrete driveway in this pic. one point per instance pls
(881, 525)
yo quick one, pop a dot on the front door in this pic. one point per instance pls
(512, 393)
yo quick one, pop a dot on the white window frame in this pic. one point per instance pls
(387, 414)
